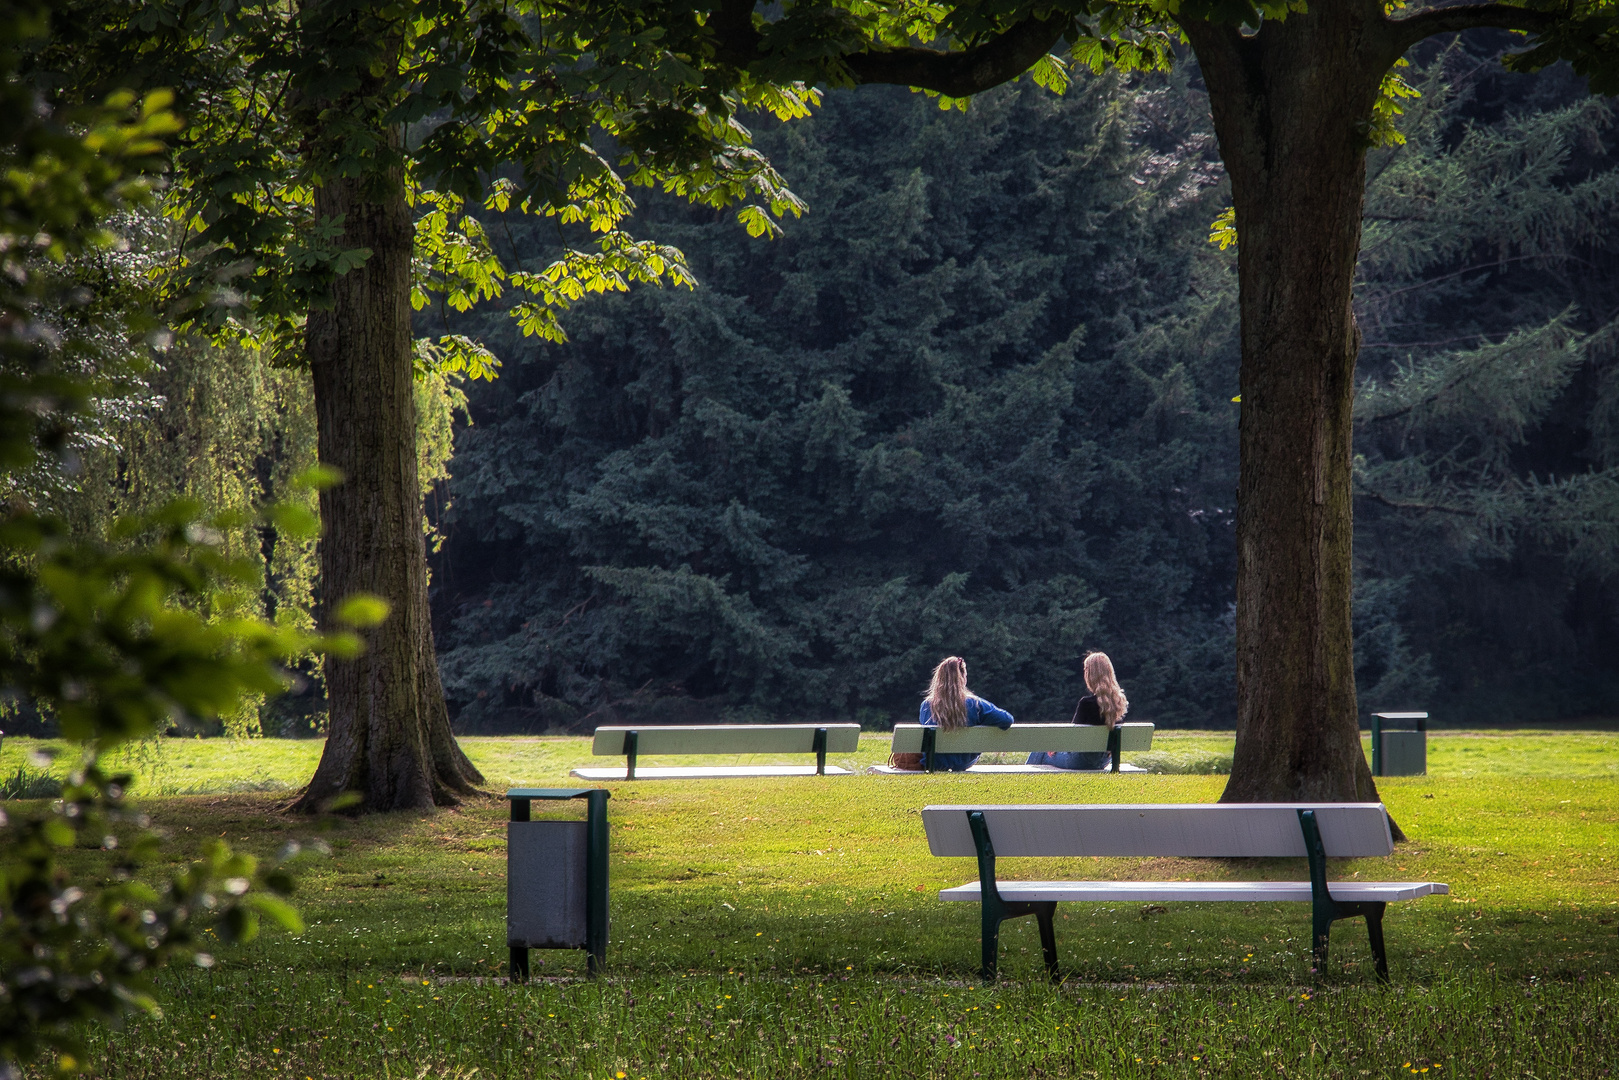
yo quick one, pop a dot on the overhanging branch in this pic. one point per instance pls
(1402, 504)
(733, 31)
(970, 71)
(954, 74)
(1450, 20)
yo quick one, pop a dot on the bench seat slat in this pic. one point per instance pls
(1025, 738)
(702, 772)
(727, 739)
(1160, 891)
(1189, 830)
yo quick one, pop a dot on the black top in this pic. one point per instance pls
(1089, 712)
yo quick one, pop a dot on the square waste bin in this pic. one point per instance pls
(1400, 751)
(556, 879)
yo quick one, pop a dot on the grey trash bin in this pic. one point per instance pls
(556, 879)
(1399, 752)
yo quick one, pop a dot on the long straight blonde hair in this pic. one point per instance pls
(1101, 681)
(948, 694)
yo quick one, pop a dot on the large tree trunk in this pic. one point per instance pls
(389, 737)
(1290, 106)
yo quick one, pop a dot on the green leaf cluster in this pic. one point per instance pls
(549, 109)
(112, 636)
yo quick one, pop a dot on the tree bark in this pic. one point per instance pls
(1291, 105)
(389, 739)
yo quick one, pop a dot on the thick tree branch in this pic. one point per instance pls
(954, 74)
(1401, 504)
(733, 30)
(970, 71)
(1449, 20)
(1213, 43)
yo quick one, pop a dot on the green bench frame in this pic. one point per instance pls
(1252, 830)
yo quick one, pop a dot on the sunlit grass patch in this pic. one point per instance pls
(282, 1023)
(769, 889)
(176, 766)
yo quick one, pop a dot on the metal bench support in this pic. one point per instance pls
(632, 741)
(820, 751)
(994, 910)
(930, 737)
(1324, 910)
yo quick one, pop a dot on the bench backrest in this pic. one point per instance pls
(1219, 830)
(728, 739)
(1022, 738)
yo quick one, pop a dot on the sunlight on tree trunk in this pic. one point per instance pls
(389, 732)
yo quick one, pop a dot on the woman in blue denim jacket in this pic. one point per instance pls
(950, 706)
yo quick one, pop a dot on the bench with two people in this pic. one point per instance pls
(955, 726)
(1312, 831)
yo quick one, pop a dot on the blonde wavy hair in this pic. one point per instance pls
(1100, 680)
(948, 694)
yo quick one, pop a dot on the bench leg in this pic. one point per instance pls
(990, 950)
(1322, 918)
(992, 909)
(1324, 910)
(995, 913)
(519, 960)
(1374, 933)
(1045, 913)
(1320, 929)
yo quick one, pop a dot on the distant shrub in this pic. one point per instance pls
(30, 783)
(1184, 762)
(239, 786)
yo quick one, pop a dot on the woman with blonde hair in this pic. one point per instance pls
(949, 706)
(1105, 704)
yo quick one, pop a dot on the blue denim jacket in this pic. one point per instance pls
(979, 712)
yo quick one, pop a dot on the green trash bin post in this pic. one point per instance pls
(556, 879)
(1399, 752)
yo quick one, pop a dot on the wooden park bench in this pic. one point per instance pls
(1019, 738)
(1223, 830)
(817, 739)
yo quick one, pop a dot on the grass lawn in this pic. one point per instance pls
(811, 902)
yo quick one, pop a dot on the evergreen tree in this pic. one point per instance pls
(682, 508)
(1488, 500)
(960, 407)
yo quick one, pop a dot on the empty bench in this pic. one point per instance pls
(1019, 738)
(817, 739)
(1313, 831)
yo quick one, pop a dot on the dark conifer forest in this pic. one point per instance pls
(979, 400)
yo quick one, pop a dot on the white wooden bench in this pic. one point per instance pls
(1313, 831)
(817, 739)
(1019, 738)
